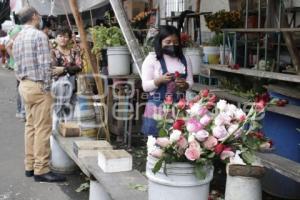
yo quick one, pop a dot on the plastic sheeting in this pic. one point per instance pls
(56, 7)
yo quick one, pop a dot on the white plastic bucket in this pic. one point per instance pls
(97, 192)
(118, 61)
(179, 183)
(246, 188)
(195, 56)
(211, 55)
(60, 161)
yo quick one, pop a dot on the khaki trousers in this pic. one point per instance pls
(38, 127)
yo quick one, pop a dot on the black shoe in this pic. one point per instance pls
(49, 177)
(29, 173)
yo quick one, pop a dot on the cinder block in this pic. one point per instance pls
(69, 129)
(90, 148)
(114, 161)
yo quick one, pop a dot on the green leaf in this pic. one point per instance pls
(211, 155)
(162, 133)
(248, 157)
(199, 171)
(157, 165)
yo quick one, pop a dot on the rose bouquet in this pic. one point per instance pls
(203, 130)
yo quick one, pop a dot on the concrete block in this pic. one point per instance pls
(114, 160)
(90, 148)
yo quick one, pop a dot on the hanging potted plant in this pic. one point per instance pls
(118, 55)
(191, 136)
(192, 51)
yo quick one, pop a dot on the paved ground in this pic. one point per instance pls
(13, 184)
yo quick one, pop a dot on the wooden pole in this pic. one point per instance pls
(90, 58)
(132, 43)
(198, 6)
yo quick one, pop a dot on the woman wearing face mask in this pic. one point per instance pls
(165, 73)
(66, 63)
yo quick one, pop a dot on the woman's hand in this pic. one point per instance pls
(57, 71)
(167, 77)
(181, 84)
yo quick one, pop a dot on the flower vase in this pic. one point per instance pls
(243, 182)
(179, 182)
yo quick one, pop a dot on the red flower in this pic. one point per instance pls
(210, 105)
(260, 105)
(178, 124)
(204, 93)
(280, 103)
(219, 148)
(177, 74)
(168, 100)
(181, 104)
(271, 143)
(266, 97)
(213, 98)
(259, 135)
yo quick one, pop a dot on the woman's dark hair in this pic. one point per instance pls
(166, 31)
(46, 24)
(63, 31)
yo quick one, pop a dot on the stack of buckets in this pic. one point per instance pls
(283, 132)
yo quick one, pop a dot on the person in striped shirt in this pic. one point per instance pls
(33, 68)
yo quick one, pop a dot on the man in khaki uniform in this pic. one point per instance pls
(32, 60)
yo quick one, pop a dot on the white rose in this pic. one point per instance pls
(221, 105)
(175, 135)
(232, 128)
(201, 135)
(194, 111)
(191, 138)
(239, 114)
(222, 119)
(151, 144)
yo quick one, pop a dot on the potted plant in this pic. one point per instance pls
(118, 54)
(191, 136)
(192, 51)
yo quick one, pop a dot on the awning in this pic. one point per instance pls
(56, 7)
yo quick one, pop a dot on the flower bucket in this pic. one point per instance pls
(195, 55)
(211, 55)
(179, 183)
(60, 161)
(118, 61)
(227, 56)
(241, 185)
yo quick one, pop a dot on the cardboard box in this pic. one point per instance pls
(90, 147)
(114, 161)
(69, 129)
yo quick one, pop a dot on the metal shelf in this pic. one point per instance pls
(261, 30)
(256, 73)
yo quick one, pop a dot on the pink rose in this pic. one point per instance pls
(210, 143)
(157, 153)
(204, 93)
(202, 111)
(227, 153)
(163, 142)
(193, 152)
(168, 100)
(205, 120)
(181, 104)
(182, 143)
(193, 125)
(260, 106)
(201, 135)
(220, 132)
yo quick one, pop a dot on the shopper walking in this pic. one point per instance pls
(32, 60)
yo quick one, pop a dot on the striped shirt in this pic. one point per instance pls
(32, 56)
